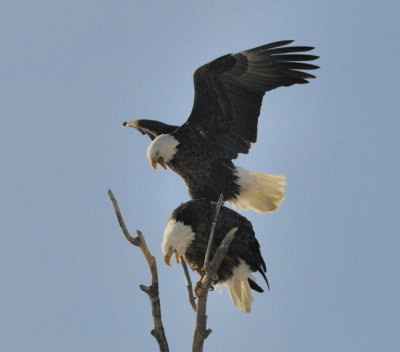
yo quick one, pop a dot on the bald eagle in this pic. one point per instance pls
(186, 235)
(223, 123)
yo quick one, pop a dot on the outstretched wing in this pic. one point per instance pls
(230, 89)
(150, 127)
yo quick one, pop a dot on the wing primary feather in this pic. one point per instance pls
(294, 57)
(297, 65)
(254, 286)
(269, 46)
(290, 49)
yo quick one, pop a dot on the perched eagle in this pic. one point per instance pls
(223, 123)
(187, 234)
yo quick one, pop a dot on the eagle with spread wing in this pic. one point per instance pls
(223, 123)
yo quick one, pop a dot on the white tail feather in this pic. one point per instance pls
(260, 192)
(239, 288)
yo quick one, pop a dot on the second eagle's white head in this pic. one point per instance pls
(161, 150)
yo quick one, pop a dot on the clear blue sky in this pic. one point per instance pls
(72, 71)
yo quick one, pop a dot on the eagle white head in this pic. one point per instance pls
(177, 238)
(161, 150)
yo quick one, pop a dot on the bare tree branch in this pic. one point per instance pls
(204, 284)
(152, 290)
(201, 333)
(212, 231)
(189, 286)
(222, 250)
(133, 240)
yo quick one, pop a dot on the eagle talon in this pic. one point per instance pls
(197, 289)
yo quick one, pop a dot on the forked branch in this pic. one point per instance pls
(152, 290)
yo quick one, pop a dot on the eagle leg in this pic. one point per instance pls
(202, 272)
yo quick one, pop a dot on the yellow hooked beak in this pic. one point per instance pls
(167, 258)
(159, 161)
(154, 164)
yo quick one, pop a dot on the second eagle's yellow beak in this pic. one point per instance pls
(167, 258)
(159, 161)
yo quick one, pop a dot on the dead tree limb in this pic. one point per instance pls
(212, 231)
(189, 286)
(152, 290)
(210, 274)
